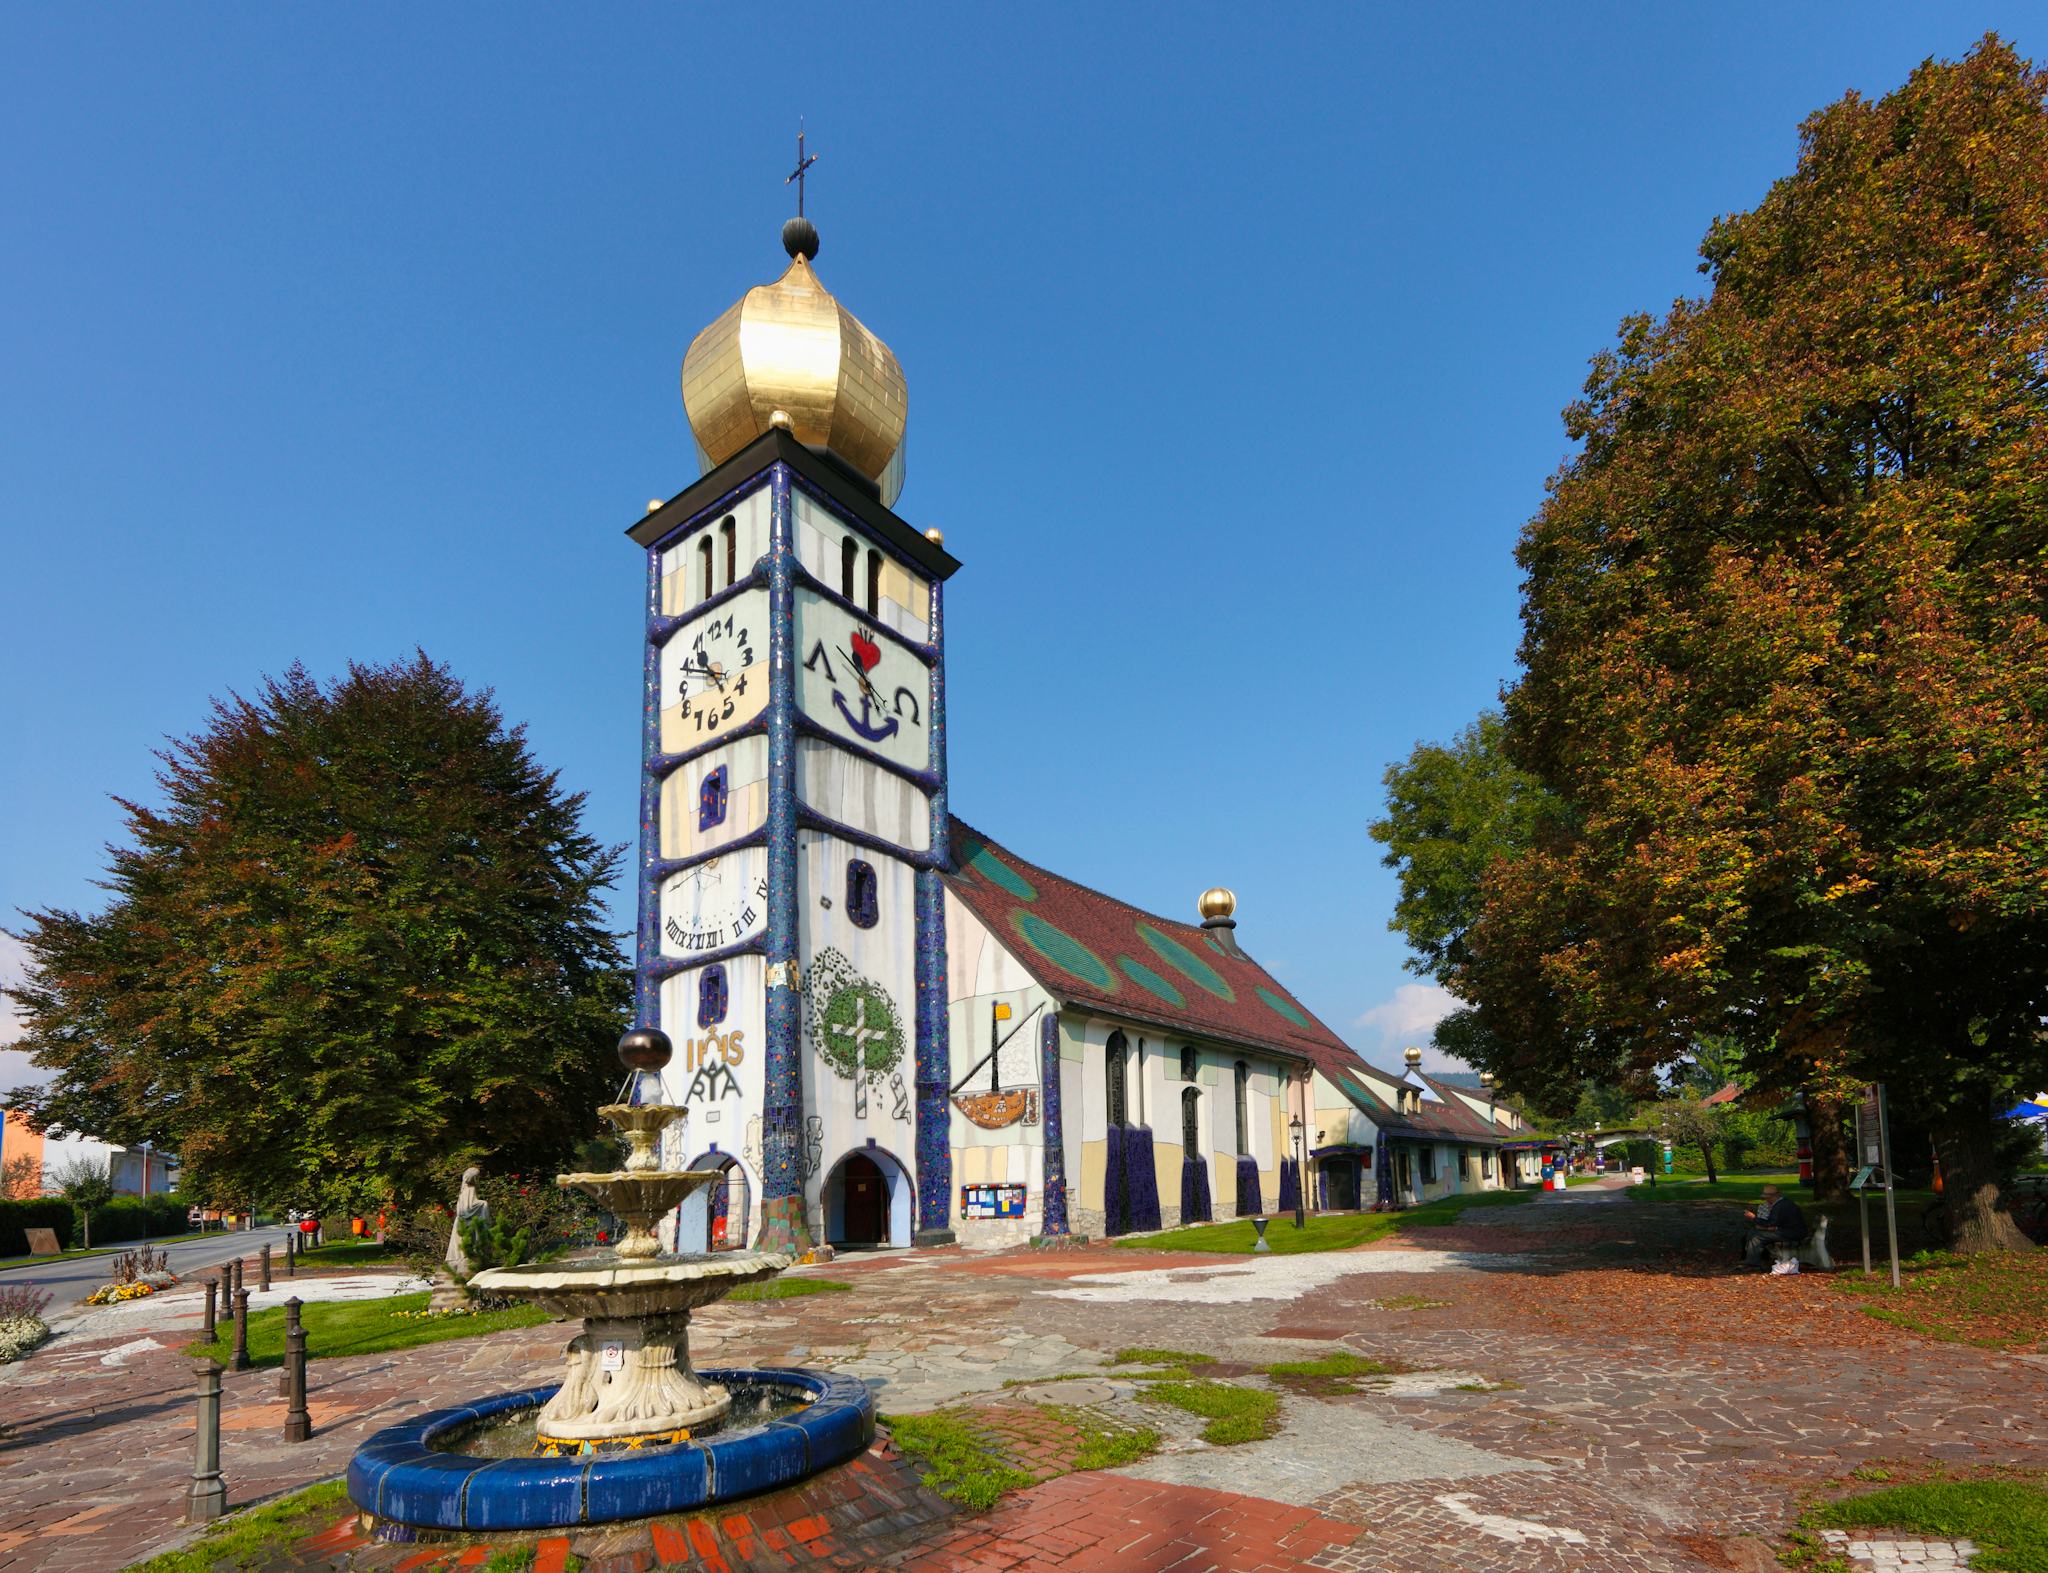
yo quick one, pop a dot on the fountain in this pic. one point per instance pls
(633, 1430)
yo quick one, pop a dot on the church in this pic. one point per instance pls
(889, 1028)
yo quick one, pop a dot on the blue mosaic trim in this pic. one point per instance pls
(1116, 1211)
(711, 511)
(1249, 1202)
(668, 868)
(400, 1477)
(810, 819)
(647, 935)
(1052, 1131)
(1194, 1191)
(831, 506)
(927, 653)
(663, 968)
(930, 781)
(782, 1099)
(1141, 1179)
(662, 766)
(1290, 1185)
(661, 626)
(934, 1042)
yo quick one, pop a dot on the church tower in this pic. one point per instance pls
(794, 824)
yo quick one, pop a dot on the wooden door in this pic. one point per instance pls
(866, 1206)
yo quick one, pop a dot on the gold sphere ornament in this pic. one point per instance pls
(789, 349)
(1216, 902)
(936, 536)
(1414, 1058)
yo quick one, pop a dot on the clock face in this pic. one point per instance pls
(714, 673)
(717, 903)
(860, 685)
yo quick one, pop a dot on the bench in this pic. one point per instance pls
(1809, 1252)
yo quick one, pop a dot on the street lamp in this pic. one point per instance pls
(1486, 1081)
(1300, 1175)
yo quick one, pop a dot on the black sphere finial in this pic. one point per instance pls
(645, 1049)
(800, 238)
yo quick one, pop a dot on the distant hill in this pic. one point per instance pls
(1458, 1079)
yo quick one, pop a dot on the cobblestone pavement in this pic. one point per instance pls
(1593, 1438)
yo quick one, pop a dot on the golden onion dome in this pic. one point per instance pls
(1216, 903)
(790, 350)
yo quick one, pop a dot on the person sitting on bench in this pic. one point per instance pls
(1776, 1220)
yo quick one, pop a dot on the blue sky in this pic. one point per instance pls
(1236, 340)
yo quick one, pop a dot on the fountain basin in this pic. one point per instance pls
(408, 1484)
(611, 1286)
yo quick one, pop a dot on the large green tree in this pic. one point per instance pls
(1786, 646)
(357, 947)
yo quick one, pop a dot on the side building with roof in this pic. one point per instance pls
(1116, 1071)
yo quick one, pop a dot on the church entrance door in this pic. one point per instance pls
(1343, 1192)
(867, 1202)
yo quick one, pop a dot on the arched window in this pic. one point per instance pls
(1187, 1062)
(1113, 1077)
(1191, 1121)
(863, 897)
(849, 564)
(1244, 1124)
(704, 568)
(711, 995)
(731, 531)
(874, 583)
(711, 799)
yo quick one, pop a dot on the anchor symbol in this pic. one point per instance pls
(864, 726)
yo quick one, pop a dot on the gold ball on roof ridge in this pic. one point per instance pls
(1216, 902)
(790, 349)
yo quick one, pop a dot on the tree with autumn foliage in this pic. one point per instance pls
(358, 947)
(1785, 652)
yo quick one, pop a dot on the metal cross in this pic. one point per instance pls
(802, 163)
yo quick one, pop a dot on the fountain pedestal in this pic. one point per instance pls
(628, 1383)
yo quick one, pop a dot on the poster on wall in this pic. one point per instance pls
(992, 1201)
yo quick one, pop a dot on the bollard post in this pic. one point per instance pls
(291, 1254)
(239, 1360)
(263, 1281)
(298, 1424)
(238, 1274)
(207, 1497)
(212, 1294)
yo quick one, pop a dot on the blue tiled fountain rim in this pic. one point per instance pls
(401, 1478)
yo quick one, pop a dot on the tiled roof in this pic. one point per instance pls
(1449, 1120)
(1091, 949)
(1727, 1094)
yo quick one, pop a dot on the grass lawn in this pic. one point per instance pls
(786, 1288)
(253, 1537)
(1324, 1231)
(1998, 1300)
(336, 1328)
(962, 1464)
(2008, 1519)
(346, 1253)
(1235, 1414)
(1729, 1188)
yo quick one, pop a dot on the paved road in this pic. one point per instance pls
(70, 1280)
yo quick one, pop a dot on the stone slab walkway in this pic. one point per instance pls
(1580, 1433)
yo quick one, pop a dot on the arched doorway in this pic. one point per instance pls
(1340, 1182)
(716, 1218)
(867, 1200)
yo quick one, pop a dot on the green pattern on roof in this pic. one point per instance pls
(1281, 1006)
(1064, 951)
(1146, 978)
(1186, 962)
(984, 862)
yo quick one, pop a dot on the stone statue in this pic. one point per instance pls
(469, 1204)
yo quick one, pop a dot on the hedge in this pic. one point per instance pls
(43, 1212)
(138, 1218)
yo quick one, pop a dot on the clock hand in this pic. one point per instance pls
(861, 678)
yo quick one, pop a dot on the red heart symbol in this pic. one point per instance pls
(865, 651)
